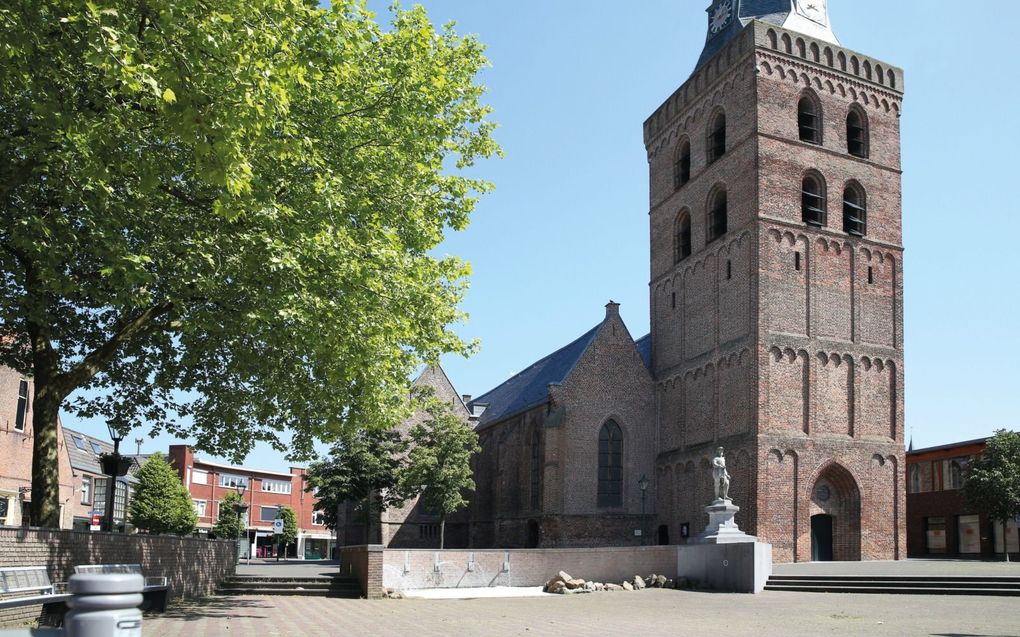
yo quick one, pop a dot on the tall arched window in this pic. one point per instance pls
(717, 138)
(682, 237)
(717, 215)
(954, 475)
(855, 210)
(536, 468)
(914, 479)
(682, 165)
(610, 465)
(812, 200)
(857, 133)
(809, 120)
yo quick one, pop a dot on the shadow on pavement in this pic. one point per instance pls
(208, 607)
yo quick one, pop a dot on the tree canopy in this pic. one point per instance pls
(161, 503)
(219, 218)
(992, 482)
(229, 525)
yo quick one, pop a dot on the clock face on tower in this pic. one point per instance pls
(720, 16)
(815, 10)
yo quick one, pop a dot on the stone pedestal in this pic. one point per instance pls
(722, 528)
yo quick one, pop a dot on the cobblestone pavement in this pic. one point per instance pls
(646, 613)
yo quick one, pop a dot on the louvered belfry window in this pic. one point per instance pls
(717, 138)
(855, 212)
(809, 121)
(682, 167)
(610, 493)
(812, 201)
(856, 134)
(717, 217)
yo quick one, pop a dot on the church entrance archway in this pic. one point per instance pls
(532, 534)
(821, 538)
(835, 513)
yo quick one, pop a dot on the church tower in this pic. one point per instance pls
(776, 285)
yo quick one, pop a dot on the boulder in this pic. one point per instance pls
(669, 584)
(557, 587)
(599, 586)
(627, 586)
(575, 584)
(613, 587)
(660, 581)
(557, 579)
(639, 583)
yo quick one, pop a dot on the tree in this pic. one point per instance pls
(161, 503)
(290, 528)
(439, 463)
(362, 467)
(229, 525)
(218, 218)
(992, 482)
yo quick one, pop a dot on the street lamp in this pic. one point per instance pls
(114, 466)
(642, 484)
(239, 508)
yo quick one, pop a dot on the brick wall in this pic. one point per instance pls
(192, 566)
(366, 564)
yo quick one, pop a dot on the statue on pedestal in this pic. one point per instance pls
(720, 476)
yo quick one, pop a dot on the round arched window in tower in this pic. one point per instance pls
(823, 493)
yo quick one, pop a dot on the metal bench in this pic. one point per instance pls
(154, 596)
(31, 586)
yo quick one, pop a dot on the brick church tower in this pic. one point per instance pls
(776, 285)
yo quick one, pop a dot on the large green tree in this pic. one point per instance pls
(439, 463)
(229, 524)
(160, 502)
(362, 467)
(290, 529)
(992, 482)
(218, 217)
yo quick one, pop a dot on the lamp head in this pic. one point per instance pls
(642, 483)
(240, 488)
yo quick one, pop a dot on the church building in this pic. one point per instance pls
(776, 302)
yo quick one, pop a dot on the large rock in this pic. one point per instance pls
(639, 583)
(627, 586)
(660, 581)
(613, 587)
(556, 581)
(575, 584)
(557, 587)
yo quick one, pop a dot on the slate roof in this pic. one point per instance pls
(530, 387)
(644, 348)
(87, 460)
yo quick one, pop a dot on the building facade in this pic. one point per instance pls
(939, 521)
(92, 485)
(265, 492)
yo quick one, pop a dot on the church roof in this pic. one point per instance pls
(644, 348)
(531, 386)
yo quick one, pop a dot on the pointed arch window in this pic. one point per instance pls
(682, 165)
(812, 200)
(809, 120)
(718, 214)
(682, 237)
(717, 138)
(610, 488)
(855, 210)
(857, 133)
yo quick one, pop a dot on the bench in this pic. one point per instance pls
(30, 586)
(154, 596)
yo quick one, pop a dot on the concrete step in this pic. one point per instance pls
(346, 594)
(298, 586)
(903, 585)
(886, 590)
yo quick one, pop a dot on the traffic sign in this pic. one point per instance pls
(277, 527)
(95, 522)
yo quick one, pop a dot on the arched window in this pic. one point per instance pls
(855, 210)
(717, 138)
(682, 237)
(857, 133)
(809, 120)
(536, 468)
(954, 475)
(682, 165)
(717, 215)
(812, 200)
(610, 465)
(914, 479)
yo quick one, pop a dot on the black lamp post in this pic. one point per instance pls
(642, 484)
(239, 508)
(114, 466)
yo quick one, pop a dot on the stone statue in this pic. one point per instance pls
(721, 476)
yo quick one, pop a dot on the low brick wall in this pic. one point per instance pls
(192, 566)
(366, 564)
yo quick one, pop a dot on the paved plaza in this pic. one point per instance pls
(646, 613)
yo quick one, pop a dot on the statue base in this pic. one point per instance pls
(722, 528)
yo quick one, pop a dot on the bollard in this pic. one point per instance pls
(105, 605)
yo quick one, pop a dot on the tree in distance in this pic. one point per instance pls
(992, 482)
(439, 463)
(218, 218)
(290, 529)
(229, 526)
(161, 503)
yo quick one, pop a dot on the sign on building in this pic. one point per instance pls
(277, 527)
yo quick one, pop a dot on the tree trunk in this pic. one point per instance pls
(1005, 538)
(442, 531)
(45, 457)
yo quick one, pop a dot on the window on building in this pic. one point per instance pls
(812, 200)
(200, 506)
(428, 531)
(952, 474)
(682, 165)
(96, 449)
(796, 261)
(914, 479)
(809, 120)
(78, 442)
(857, 133)
(230, 480)
(682, 237)
(318, 518)
(22, 414)
(855, 211)
(276, 486)
(86, 490)
(717, 138)
(199, 477)
(717, 216)
(268, 514)
(935, 535)
(536, 468)
(5, 508)
(610, 487)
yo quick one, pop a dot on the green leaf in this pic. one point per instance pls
(169, 96)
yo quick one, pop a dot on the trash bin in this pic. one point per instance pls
(105, 605)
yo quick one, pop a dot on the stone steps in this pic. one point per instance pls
(346, 587)
(897, 585)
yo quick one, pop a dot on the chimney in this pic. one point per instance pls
(466, 398)
(612, 308)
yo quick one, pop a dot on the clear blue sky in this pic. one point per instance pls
(567, 228)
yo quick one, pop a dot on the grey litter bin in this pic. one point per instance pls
(105, 605)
